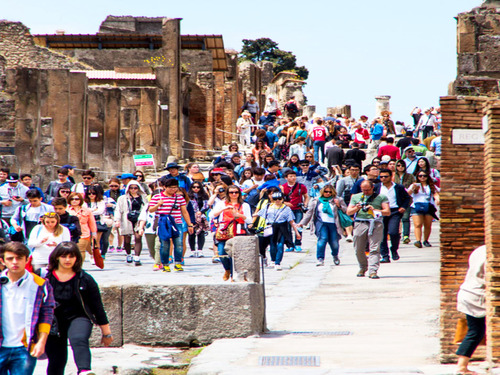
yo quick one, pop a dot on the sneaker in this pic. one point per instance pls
(395, 256)
(215, 260)
(129, 258)
(271, 264)
(336, 261)
(385, 260)
(298, 249)
(361, 273)
(418, 244)
(137, 261)
(182, 260)
(200, 254)
(406, 239)
(170, 260)
(165, 269)
(194, 254)
(157, 267)
(349, 238)
(178, 267)
(88, 372)
(427, 244)
(320, 263)
(289, 250)
(226, 276)
(277, 267)
(119, 249)
(374, 276)
(111, 249)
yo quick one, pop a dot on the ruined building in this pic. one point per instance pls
(136, 87)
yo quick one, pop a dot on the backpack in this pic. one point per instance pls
(291, 107)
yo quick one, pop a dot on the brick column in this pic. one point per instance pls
(492, 223)
(462, 211)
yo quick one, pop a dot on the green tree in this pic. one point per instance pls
(266, 49)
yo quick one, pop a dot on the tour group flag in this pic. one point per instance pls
(144, 160)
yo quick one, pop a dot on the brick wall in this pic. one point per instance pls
(492, 223)
(462, 209)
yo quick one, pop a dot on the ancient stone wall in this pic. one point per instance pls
(108, 59)
(19, 50)
(478, 60)
(462, 209)
(131, 25)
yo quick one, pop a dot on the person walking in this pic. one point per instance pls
(27, 312)
(325, 223)
(296, 198)
(279, 217)
(405, 179)
(127, 212)
(232, 216)
(79, 306)
(199, 199)
(368, 208)
(45, 237)
(425, 197)
(399, 203)
(471, 302)
(87, 222)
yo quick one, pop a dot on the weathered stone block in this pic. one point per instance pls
(245, 253)
(182, 313)
(112, 300)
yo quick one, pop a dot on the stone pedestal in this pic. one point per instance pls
(382, 104)
(245, 254)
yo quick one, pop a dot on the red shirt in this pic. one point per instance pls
(166, 207)
(390, 150)
(295, 197)
(319, 133)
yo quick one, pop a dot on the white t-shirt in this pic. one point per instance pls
(41, 251)
(14, 303)
(390, 194)
(325, 218)
(424, 195)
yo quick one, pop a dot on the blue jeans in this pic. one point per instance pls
(276, 250)
(298, 214)
(165, 248)
(224, 258)
(327, 235)
(319, 146)
(16, 361)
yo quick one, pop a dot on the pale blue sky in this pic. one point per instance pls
(354, 50)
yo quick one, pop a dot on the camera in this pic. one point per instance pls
(221, 190)
(364, 206)
(302, 207)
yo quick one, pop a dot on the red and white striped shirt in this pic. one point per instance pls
(168, 207)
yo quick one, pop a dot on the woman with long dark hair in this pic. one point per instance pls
(231, 212)
(405, 179)
(199, 200)
(79, 306)
(425, 196)
(424, 165)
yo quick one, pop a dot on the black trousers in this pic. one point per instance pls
(476, 328)
(192, 241)
(391, 227)
(78, 332)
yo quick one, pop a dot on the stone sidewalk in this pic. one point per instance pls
(354, 325)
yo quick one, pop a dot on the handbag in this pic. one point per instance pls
(225, 232)
(461, 332)
(345, 220)
(422, 208)
(96, 252)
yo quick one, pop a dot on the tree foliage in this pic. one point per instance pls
(265, 49)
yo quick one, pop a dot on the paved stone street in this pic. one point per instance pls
(354, 325)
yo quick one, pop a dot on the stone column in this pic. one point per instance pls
(342, 109)
(172, 51)
(382, 104)
(309, 110)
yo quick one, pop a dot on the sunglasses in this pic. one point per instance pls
(75, 199)
(87, 178)
(65, 191)
(112, 186)
(92, 194)
(50, 214)
(196, 187)
(328, 192)
(422, 175)
(134, 187)
(384, 176)
(234, 192)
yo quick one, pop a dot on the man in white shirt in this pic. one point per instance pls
(27, 308)
(399, 202)
(427, 124)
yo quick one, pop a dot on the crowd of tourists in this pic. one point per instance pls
(287, 173)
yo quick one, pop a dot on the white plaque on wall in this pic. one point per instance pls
(467, 137)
